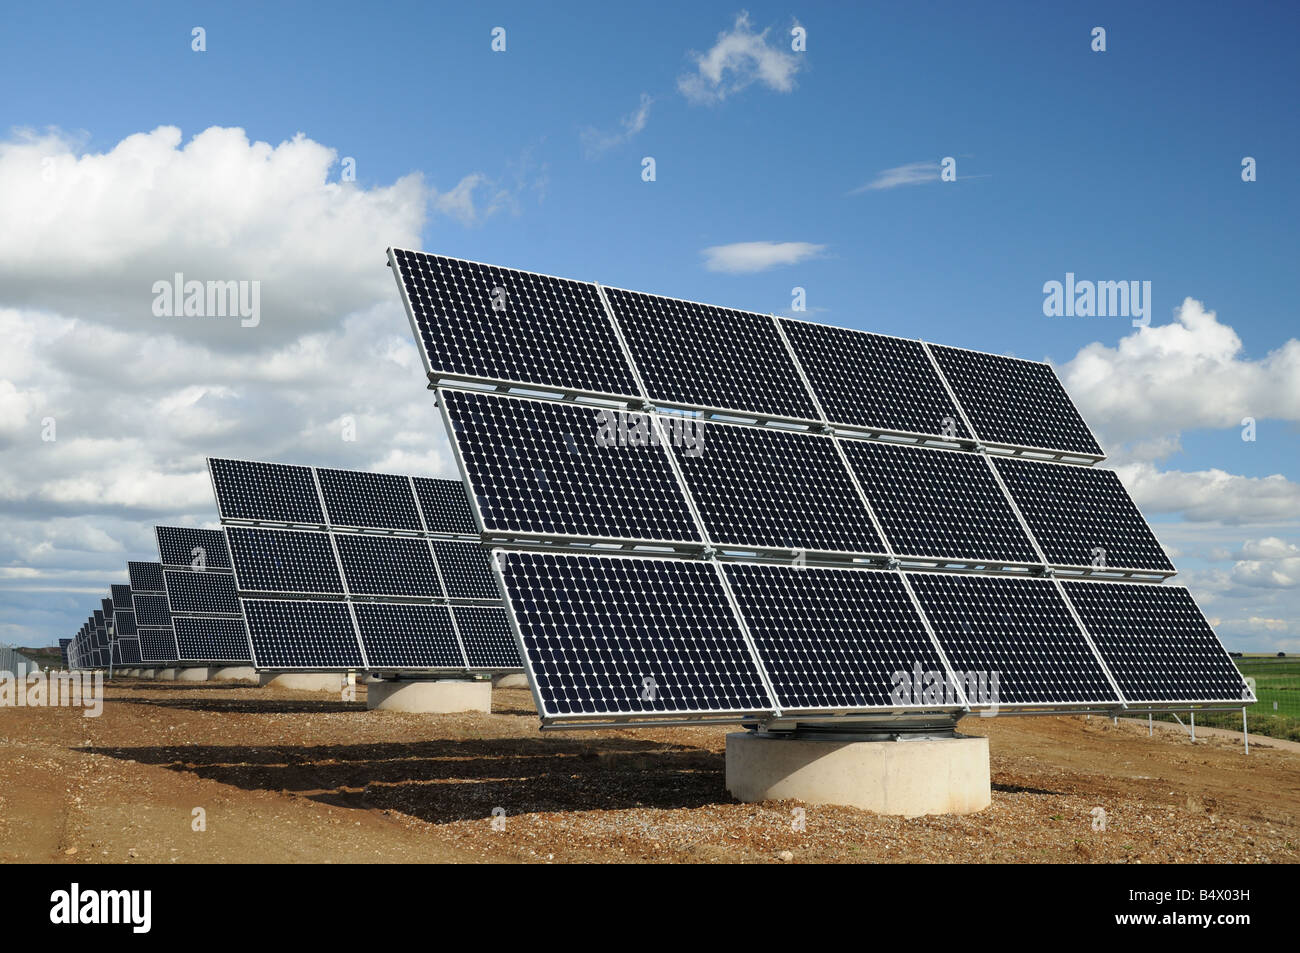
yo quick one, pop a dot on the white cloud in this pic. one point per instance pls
(738, 59)
(1214, 494)
(746, 257)
(595, 142)
(914, 173)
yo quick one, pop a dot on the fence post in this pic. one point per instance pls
(1245, 729)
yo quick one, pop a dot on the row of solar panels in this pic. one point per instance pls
(637, 637)
(552, 470)
(485, 324)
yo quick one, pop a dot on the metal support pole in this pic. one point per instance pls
(1193, 726)
(1150, 724)
(1245, 729)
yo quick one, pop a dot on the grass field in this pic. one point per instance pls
(1277, 686)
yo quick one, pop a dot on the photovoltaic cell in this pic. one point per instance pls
(273, 560)
(699, 355)
(512, 326)
(408, 636)
(1011, 401)
(206, 592)
(773, 488)
(485, 633)
(1157, 643)
(938, 503)
(124, 623)
(151, 610)
(445, 506)
(126, 651)
(607, 635)
(1014, 637)
(466, 570)
(158, 645)
(121, 596)
(145, 577)
(184, 547)
(271, 492)
(211, 640)
(1082, 516)
(291, 634)
(838, 638)
(387, 565)
(873, 381)
(369, 500)
(539, 467)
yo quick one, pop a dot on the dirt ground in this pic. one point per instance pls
(294, 776)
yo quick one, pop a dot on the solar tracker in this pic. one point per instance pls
(627, 636)
(843, 639)
(145, 577)
(539, 467)
(183, 547)
(701, 356)
(1019, 631)
(466, 570)
(939, 503)
(1157, 643)
(485, 633)
(1015, 402)
(408, 636)
(108, 610)
(359, 498)
(157, 645)
(873, 381)
(387, 565)
(267, 492)
(211, 640)
(445, 507)
(292, 634)
(201, 592)
(121, 596)
(276, 560)
(1082, 516)
(151, 610)
(124, 623)
(776, 488)
(484, 322)
(126, 651)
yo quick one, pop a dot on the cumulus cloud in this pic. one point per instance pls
(914, 173)
(595, 142)
(748, 257)
(738, 59)
(1213, 494)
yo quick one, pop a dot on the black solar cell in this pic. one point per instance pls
(188, 548)
(300, 634)
(445, 506)
(211, 640)
(466, 570)
(270, 492)
(369, 500)
(408, 636)
(205, 592)
(485, 633)
(273, 560)
(387, 565)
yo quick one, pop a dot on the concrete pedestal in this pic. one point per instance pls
(235, 673)
(510, 681)
(908, 778)
(148, 673)
(430, 697)
(166, 674)
(303, 681)
(199, 674)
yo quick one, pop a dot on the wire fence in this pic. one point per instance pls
(1276, 682)
(10, 659)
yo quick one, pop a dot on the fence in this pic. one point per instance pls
(1277, 686)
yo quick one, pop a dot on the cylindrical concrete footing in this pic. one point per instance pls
(517, 680)
(148, 673)
(430, 697)
(235, 673)
(908, 778)
(303, 681)
(166, 674)
(199, 674)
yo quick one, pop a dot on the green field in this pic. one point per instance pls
(1277, 686)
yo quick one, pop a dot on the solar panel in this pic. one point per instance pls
(489, 323)
(203, 592)
(187, 548)
(698, 355)
(445, 506)
(275, 560)
(841, 639)
(126, 651)
(1082, 516)
(121, 596)
(387, 565)
(1015, 402)
(408, 636)
(292, 634)
(605, 635)
(269, 492)
(211, 640)
(540, 467)
(108, 610)
(369, 500)
(466, 570)
(145, 577)
(1157, 643)
(774, 488)
(873, 381)
(485, 633)
(939, 503)
(124, 623)
(1014, 636)
(151, 610)
(157, 645)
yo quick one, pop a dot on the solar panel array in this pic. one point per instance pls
(207, 620)
(798, 518)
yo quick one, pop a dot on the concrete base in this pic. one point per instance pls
(148, 673)
(509, 681)
(303, 681)
(430, 697)
(199, 674)
(235, 673)
(908, 778)
(166, 674)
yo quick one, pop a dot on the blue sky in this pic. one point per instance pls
(1115, 165)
